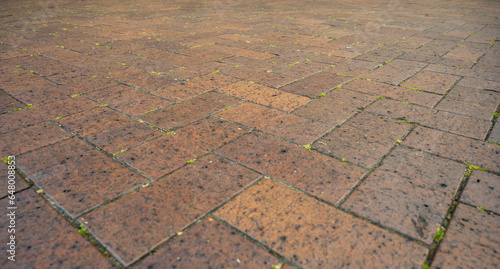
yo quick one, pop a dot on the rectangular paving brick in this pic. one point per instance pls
(109, 130)
(288, 126)
(128, 100)
(30, 138)
(471, 240)
(316, 84)
(494, 135)
(476, 103)
(393, 92)
(480, 84)
(142, 79)
(265, 96)
(442, 120)
(210, 244)
(191, 110)
(482, 191)
(396, 71)
(410, 192)
(301, 69)
(20, 182)
(315, 173)
(161, 156)
(30, 116)
(138, 222)
(313, 234)
(77, 176)
(17, 80)
(363, 140)
(46, 238)
(455, 147)
(431, 82)
(8, 103)
(336, 107)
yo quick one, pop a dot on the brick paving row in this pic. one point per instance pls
(251, 134)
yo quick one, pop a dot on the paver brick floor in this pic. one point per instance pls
(250, 134)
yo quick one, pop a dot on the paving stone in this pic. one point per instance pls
(191, 110)
(471, 240)
(363, 140)
(313, 234)
(410, 192)
(336, 107)
(17, 81)
(7, 103)
(143, 219)
(455, 147)
(316, 84)
(480, 84)
(20, 183)
(128, 100)
(393, 92)
(77, 176)
(495, 133)
(109, 130)
(45, 239)
(30, 138)
(210, 244)
(161, 156)
(288, 126)
(476, 103)
(395, 72)
(431, 82)
(30, 116)
(481, 191)
(442, 120)
(141, 79)
(316, 173)
(265, 96)
(44, 66)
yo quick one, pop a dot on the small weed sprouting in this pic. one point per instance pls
(399, 141)
(82, 230)
(74, 95)
(475, 167)
(379, 97)
(495, 115)
(119, 152)
(151, 111)
(344, 160)
(480, 208)
(307, 147)
(191, 161)
(425, 266)
(171, 132)
(439, 234)
(227, 108)
(321, 95)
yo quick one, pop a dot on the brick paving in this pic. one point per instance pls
(250, 134)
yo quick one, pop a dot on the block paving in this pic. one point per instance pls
(250, 134)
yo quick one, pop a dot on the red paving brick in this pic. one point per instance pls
(373, 120)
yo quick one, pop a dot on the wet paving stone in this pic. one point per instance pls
(167, 153)
(45, 239)
(143, 219)
(288, 126)
(455, 147)
(471, 240)
(77, 176)
(410, 192)
(482, 191)
(191, 110)
(363, 140)
(313, 234)
(317, 174)
(210, 244)
(336, 107)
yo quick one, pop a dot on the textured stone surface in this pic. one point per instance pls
(314, 235)
(431, 82)
(482, 191)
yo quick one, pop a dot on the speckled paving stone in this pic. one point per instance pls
(410, 192)
(77, 176)
(141, 220)
(431, 82)
(313, 234)
(363, 140)
(316, 84)
(495, 133)
(476, 103)
(108, 129)
(336, 107)
(17, 81)
(471, 240)
(7, 103)
(288, 126)
(128, 100)
(455, 147)
(480, 84)
(442, 120)
(395, 72)
(30, 138)
(315, 173)
(264, 95)
(161, 156)
(20, 182)
(30, 116)
(191, 110)
(142, 79)
(210, 244)
(393, 92)
(44, 239)
(482, 191)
